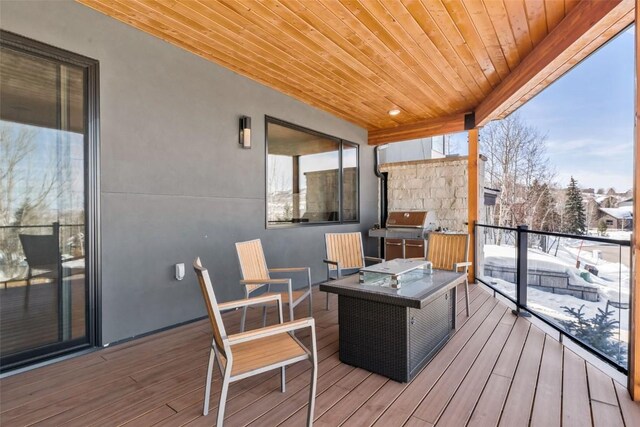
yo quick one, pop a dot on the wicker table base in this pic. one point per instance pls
(391, 340)
(393, 335)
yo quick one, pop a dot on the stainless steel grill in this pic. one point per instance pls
(405, 233)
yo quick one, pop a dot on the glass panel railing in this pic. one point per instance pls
(577, 284)
(497, 259)
(582, 286)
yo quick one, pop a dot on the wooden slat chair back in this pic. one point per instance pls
(211, 303)
(253, 264)
(450, 251)
(254, 352)
(256, 275)
(346, 249)
(446, 250)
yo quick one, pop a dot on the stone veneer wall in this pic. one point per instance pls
(438, 185)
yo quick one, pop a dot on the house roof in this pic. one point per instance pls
(447, 66)
(619, 213)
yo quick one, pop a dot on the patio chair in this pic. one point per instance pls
(344, 252)
(450, 251)
(255, 276)
(251, 353)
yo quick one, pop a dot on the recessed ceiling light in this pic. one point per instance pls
(394, 112)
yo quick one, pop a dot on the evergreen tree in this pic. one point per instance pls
(575, 221)
(602, 228)
(598, 332)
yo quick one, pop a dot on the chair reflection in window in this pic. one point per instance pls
(42, 253)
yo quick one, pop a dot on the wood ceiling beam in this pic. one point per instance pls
(423, 129)
(557, 52)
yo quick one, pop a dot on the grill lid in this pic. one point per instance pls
(412, 219)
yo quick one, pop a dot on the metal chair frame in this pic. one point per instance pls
(222, 344)
(453, 260)
(253, 284)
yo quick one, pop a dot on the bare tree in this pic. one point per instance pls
(518, 165)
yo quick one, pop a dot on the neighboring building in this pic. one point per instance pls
(617, 218)
(415, 149)
(626, 202)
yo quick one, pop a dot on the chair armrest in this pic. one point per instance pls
(264, 281)
(268, 331)
(288, 269)
(338, 269)
(373, 259)
(459, 265)
(250, 301)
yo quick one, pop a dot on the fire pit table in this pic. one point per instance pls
(395, 332)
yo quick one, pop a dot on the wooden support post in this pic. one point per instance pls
(473, 197)
(634, 330)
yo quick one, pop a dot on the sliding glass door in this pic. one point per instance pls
(48, 141)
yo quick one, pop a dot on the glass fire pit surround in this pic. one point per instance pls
(395, 273)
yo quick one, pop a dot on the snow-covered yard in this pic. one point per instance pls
(612, 282)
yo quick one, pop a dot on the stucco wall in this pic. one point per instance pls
(174, 182)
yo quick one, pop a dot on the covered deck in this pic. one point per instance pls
(497, 369)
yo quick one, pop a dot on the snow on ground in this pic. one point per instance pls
(612, 281)
(611, 234)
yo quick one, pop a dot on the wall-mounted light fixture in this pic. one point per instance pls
(245, 132)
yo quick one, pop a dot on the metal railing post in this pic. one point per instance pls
(521, 270)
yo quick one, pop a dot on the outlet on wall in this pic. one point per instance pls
(180, 271)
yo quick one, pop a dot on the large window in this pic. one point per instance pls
(312, 178)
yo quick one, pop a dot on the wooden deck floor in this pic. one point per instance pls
(496, 370)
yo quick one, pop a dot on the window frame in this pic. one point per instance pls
(341, 143)
(93, 301)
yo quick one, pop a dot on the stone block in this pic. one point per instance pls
(425, 172)
(414, 183)
(432, 204)
(441, 193)
(554, 281)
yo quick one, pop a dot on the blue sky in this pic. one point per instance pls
(587, 116)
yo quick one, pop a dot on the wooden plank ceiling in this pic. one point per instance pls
(434, 60)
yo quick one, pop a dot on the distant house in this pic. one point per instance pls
(626, 202)
(617, 218)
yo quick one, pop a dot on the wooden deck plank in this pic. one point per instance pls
(630, 409)
(487, 411)
(405, 405)
(249, 391)
(547, 408)
(460, 407)
(152, 417)
(517, 409)
(344, 373)
(489, 408)
(332, 396)
(605, 415)
(101, 389)
(576, 410)
(480, 306)
(601, 386)
(388, 394)
(346, 406)
(441, 393)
